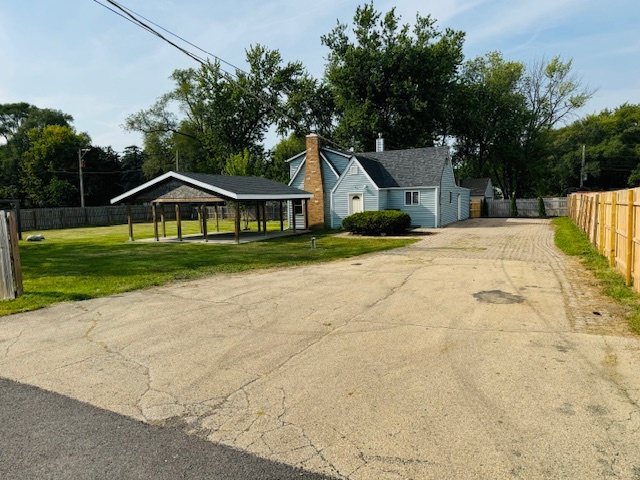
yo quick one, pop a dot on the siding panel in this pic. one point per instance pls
(423, 215)
(338, 161)
(353, 184)
(294, 164)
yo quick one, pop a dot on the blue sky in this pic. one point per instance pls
(76, 56)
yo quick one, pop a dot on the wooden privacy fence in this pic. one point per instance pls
(475, 208)
(528, 207)
(611, 221)
(54, 218)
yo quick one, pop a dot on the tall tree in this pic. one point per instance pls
(49, 173)
(101, 173)
(16, 119)
(220, 115)
(611, 141)
(504, 116)
(388, 79)
(488, 115)
(131, 165)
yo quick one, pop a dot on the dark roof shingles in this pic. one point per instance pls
(417, 167)
(477, 186)
(244, 185)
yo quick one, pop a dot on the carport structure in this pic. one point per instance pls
(203, 189)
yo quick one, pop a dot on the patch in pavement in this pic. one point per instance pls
(498, 296)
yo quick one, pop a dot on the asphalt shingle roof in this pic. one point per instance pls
(221, 186)
(417, 167)
(244, 185)
(477, 186)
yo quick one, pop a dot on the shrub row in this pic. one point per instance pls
(382, 222)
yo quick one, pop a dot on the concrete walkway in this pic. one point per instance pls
(479, 352)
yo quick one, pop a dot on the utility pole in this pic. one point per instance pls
(582, 167)
(81, 153)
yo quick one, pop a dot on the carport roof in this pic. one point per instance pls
(191, 187)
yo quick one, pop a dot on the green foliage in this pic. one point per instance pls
(379, 222)
(513, 207)
(131, 165)
(612, 154)
(572, 241)
(542, 210)
(278, 169)
(16, 120)
(82, 263)
(390, 79)
(222, 116)
(504, 115)
(49, 166)
(242, 164)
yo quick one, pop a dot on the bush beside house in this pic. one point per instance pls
(379, 222)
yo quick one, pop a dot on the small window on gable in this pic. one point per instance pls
(450, 197)
(412, 198)
(353, 170)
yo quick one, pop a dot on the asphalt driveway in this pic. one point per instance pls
(479, 352)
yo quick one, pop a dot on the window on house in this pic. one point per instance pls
(412, 198)
(353, 170)
(297, 207)
(450, 197)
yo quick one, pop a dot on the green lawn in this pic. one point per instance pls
(83, 263)
(572, 241)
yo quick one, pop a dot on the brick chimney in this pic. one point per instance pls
(313, 183)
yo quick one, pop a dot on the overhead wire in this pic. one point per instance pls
(220, 59)
(149, 29)
(132, 16)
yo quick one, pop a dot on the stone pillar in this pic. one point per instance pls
(313, 183)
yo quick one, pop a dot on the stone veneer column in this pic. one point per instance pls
(313, 183)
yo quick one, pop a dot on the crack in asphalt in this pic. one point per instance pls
(10, 346)
(226, 409)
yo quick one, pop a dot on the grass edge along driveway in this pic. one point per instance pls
(573, 242)
(83, 263)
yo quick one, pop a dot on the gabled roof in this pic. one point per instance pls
(477, 186)
(416, 167)
(212, 187)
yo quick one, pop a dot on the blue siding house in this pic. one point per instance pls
(418, 181)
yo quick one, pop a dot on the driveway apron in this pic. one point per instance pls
(479, 352)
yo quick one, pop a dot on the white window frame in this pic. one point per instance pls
(412, 193)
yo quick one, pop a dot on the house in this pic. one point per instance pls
(480, 188)
(418, 181)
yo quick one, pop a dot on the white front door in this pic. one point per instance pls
(355, 203)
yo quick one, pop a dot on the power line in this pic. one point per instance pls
(132, 16)
(221, 60)
(149, 29)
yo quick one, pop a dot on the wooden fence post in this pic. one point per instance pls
(601, 220)
(629, 259)
(9, 258)
(614, 228)
(15, 251)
